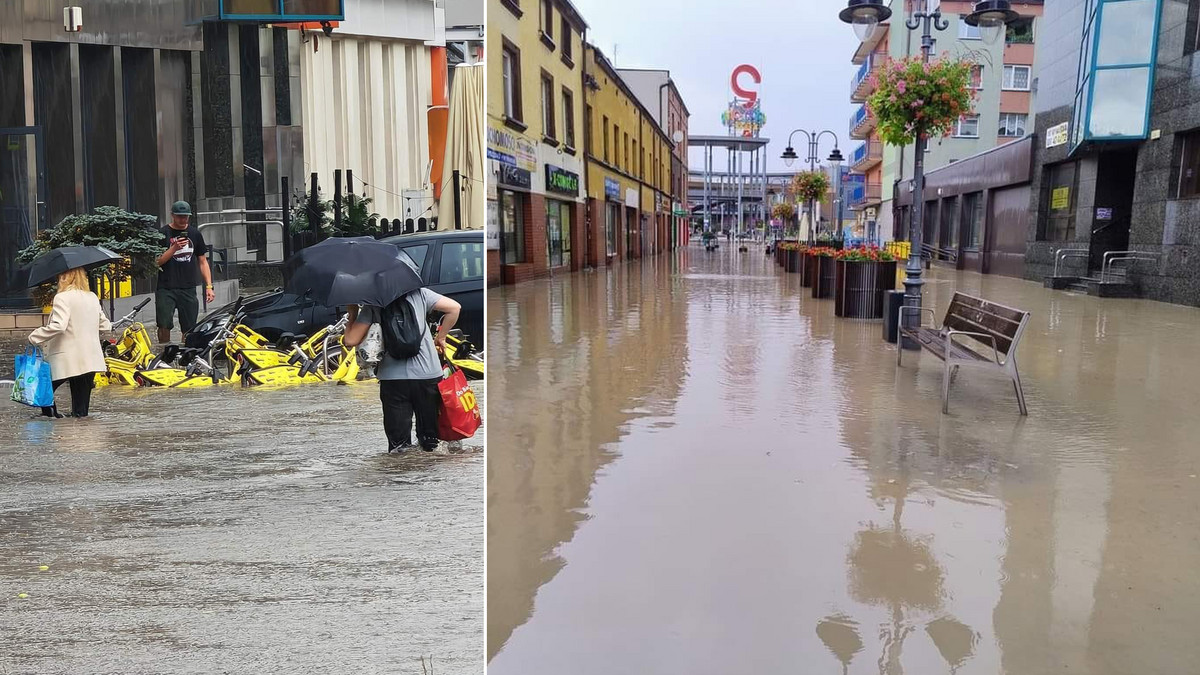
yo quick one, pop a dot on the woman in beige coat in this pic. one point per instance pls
(71, 340)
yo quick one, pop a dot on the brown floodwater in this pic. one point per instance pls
(229, 530)
(701, 470)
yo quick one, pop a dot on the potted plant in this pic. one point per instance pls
(132, 235)
(821, 271)
(861, 277)
(913, 98)
(793, 253)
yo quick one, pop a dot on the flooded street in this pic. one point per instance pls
(239, 531)
(707, 472)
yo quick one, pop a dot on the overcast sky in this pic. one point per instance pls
(801, 48)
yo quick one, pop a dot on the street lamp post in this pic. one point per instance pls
(865, 15)
(789, 156)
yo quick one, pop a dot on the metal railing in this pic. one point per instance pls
(1064, 253)
(1113, 257)
(858, 119)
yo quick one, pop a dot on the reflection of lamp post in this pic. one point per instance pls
(789, 157)
(865, 16)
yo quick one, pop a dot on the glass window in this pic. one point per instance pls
(1012, 124)
(417, 253)
(968, 32)
(511, 76)
(1119, 102)
(605, 120)
(1019, 32)
(973, 212)
(568, 118)
(1059, 201)
(547, 106)
(461, 261)
(1186, 165)
(1016, 78)
(977, 77)
(612, 216)
(512, 227)
(1126, 32)
(548, 18)
(558, 232)
(967, 127)
(564, 36)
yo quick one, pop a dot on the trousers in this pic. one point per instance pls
(81, 395)
(404, 399)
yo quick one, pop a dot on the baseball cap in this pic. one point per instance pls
(181, 209)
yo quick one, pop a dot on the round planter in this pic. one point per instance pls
(822, 276)
(859, 288)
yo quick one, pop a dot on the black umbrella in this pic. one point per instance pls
(48, 266)
(351, 271)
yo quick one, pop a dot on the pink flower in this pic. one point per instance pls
(893, 98)
(924, 83)
(901, 86)
(918, 103)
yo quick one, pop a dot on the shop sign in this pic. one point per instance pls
(562, 181)
(1060, 198)
(510, 149)
(631, 198)
(492, 234)
(511, 176)
(612, 189)
(1057, 135)
(1103, 213)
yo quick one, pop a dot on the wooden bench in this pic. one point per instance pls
(995, 327)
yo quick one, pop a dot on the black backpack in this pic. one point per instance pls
(403, 330)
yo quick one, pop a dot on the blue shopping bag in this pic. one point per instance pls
(33, 384)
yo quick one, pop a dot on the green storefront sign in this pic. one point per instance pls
(561, 181)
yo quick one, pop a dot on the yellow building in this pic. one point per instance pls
(535, 137)
(628, 168)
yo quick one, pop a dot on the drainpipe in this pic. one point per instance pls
(586, 151)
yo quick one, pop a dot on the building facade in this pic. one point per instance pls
(1116, 163)
(628, 168)
(1003, 79)
(535, 138)
(150, 103)
(658, 94)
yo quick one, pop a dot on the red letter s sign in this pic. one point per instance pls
(745, 69)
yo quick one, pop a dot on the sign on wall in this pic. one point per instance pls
(1057, 135)
(562, 181)
(511, 176)
(612, 189)
(492, 233)
(744, 116)
(1060, 198)
(1103, 213)
(508, 148)
(631, 198)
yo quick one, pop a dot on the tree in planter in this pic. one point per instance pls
(135, 236)
(357, 219)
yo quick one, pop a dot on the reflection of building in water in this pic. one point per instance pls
(578, 359)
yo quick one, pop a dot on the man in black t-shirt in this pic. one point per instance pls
(181, 269)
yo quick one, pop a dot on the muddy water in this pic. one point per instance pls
(709, 473)
(240, 531)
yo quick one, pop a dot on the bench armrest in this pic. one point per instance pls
(918, 310)
(950, 340)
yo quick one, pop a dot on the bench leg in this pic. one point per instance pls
(947, 376)
(953, 374)
(899, 349)
(1020, 392)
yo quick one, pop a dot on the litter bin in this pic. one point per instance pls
(892, 302)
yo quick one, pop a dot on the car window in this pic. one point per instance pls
(417, 253)
(461, 262)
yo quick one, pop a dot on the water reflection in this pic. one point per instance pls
(699, 501)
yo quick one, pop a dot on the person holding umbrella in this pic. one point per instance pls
(71, 339)
(362, 271)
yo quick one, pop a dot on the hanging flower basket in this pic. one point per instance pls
(914, 98)
(810, 186)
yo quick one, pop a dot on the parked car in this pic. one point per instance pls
(451, 263)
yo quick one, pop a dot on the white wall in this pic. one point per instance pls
(365, 104)
(396, 19)
(646, 86)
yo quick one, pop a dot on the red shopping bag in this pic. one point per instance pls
(459, 416)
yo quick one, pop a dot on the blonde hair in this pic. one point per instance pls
(73, 280)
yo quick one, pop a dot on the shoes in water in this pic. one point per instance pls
(402, 448)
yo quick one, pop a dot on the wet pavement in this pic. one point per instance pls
(709, 473)
(231, 530)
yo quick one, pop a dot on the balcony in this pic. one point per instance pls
(866, 195)
(861, 123)
(861, 85)
(866, 156)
